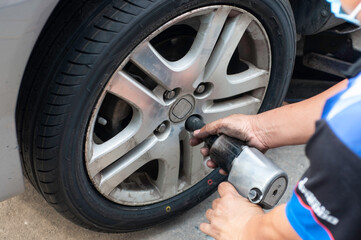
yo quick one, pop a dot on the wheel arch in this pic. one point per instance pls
(313, 16)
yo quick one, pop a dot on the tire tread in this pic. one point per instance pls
(77, 43)
(42, 169)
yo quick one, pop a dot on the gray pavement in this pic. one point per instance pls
(28, 216)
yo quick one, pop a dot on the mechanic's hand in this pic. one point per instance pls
(243, 127)
(230, 215)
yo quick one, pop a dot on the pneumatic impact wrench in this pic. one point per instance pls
(253, 175)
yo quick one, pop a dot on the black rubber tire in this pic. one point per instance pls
(79, 49)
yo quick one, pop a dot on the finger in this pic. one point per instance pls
(222, 172)
(205, 151)
(207, 229)
(195, 141)
(225, 188)
(211, 164)
(215, 203)
(209, 215)
(212, 128)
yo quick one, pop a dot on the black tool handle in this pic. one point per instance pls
(222, 149)
(194, 123)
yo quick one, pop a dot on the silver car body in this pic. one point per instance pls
(21, 22)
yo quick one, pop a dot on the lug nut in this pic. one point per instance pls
(201, 88)
(161, 128)
(169, 94)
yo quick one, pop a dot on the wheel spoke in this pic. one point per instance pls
(110, 151)
(148, 113)
(150, 61)
(168, 154)
(211, 111)
(193, 166)
(231, 36)
(246, 81)
(124, 167)
(127, 88)
(186, 70)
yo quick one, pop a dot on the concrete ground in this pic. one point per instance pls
(29, 217)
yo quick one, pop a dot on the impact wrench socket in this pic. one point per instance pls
(254, 175)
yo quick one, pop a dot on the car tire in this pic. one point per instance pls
(63, 91)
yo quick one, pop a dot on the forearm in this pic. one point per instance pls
(295, 123)
(273, 225)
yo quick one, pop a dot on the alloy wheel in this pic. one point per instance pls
(212, 62)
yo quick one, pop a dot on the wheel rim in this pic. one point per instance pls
(213, 62)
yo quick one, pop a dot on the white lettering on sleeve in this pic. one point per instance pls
(316, 206)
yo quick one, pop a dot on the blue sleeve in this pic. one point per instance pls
(325, 202)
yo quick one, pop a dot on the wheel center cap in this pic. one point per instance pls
(182, 108)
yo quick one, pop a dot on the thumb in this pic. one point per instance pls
(226, 188)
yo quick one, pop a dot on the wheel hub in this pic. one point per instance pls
(182, 108)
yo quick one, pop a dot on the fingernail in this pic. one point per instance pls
(196, 132)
